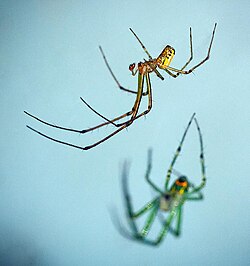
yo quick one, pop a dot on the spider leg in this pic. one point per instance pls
(114, 77)
(119, 226)
(153, 205)
(128, 202)
(144, 209)
(164, 231)
(148, 92)
(149, 166)
(142, 45)
(150, 57)
(84, 130)
(108, 120)
(202, 162)
(89, 129)
(177, 230)
(51, 125)
(177, 153)
(194, 196)
(127, 197)
(189, 60)
(162, 220)
(150, 220)
(181, 71)
(125, 125)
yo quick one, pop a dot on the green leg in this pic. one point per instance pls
(194, 196)
(131, 215)
(150, 220)
(202, 162)
(148, 173)
(127, 200)
(165, 229)
(144, 209)
(177, 230)
(178, 150)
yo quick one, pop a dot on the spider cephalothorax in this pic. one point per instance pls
(148, 66)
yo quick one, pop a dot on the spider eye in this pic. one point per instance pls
(131, 67)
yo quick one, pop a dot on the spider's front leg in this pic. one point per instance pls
(177, 153)
(189, 60)
(202, 162)
(182, 71)
(131, 68)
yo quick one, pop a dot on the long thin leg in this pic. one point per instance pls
(127, 200)
(149, 98)
(148, 92)
(180, 71)
(142, 45)
(150, 57)
(163, 232)
(189, 60)
(194, 196)
(149, 167)
(119, 226)
(52, 125)
(128, 123)
(114, 77)
(102, 116)
(95, 127)
(177, 230)
(177, 153)
(84, 130)
(145, 208)
(202, 162)
(150, 220)
(129, 209)
(131, 215)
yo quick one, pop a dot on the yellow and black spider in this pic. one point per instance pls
(143, 69)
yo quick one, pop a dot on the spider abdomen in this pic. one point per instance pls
(166, 56)
(168, 202)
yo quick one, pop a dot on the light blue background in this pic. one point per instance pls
(55, 200)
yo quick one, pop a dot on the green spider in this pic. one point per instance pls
(170, 200)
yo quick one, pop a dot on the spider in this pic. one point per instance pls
(144, 69)
(170, 199)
